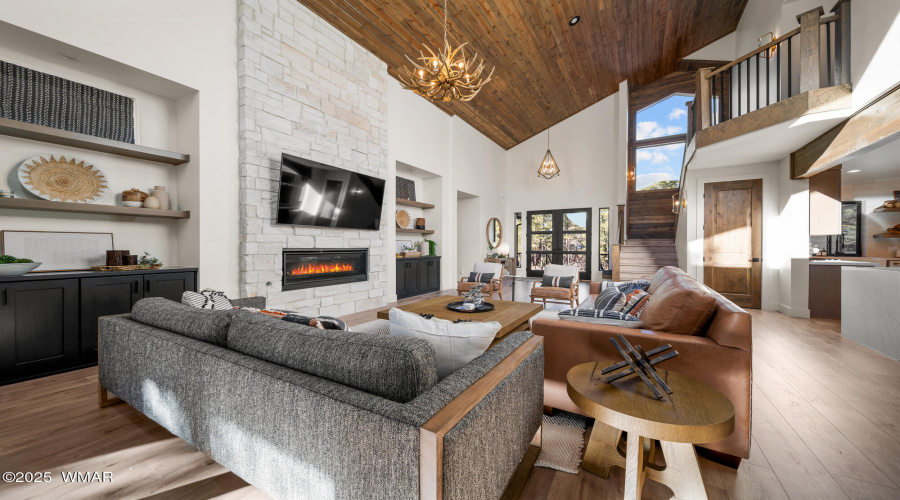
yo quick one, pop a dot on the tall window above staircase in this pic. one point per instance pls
(659, 140)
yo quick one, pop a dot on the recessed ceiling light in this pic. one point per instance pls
(853, 171)
(574, 20)
(67, 57)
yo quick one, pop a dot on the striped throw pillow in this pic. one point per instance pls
(557, 281)
(480, 277)
(207, 299)
(635, 302)
(609, 300)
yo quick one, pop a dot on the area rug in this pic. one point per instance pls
(562, 439)
(379, 326)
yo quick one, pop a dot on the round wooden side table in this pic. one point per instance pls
(631, 424)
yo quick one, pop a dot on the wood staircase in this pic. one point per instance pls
(651, 235)
(650, 214)
(641, 258)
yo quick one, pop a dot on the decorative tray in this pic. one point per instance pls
(458, 307)
(124, 268)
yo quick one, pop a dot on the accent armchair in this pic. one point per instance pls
(557, 294)
(496, 284)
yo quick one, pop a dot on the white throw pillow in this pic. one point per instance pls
(455, 344)
(207, 299)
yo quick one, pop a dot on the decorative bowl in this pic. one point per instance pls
(18, 269)
(62, 178)
(136, 204)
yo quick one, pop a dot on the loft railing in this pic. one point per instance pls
(787, 66)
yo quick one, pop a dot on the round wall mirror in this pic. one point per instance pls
(494, 232)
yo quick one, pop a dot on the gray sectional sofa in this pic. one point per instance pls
(307, 413)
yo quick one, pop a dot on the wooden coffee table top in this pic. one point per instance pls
(693, 413)
(509, 314)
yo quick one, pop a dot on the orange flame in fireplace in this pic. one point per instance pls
(321, 269)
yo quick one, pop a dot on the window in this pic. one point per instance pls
(603, 233)
(848, 242)
(659, 141)
(518, 249)
(559, 237)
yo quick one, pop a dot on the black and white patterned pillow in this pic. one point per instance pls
(598, 313)
(480, 277)
(207, 299)
(602, 317)
(630, 286)
(610, 299)
(557, 281)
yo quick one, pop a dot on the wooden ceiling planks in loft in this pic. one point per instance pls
(540, 60)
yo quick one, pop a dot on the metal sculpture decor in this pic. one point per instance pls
(638, 361)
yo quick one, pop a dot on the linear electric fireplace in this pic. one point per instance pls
(307, 268)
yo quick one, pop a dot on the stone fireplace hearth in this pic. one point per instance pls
(306, 89)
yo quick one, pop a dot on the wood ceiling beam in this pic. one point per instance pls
(873, 126)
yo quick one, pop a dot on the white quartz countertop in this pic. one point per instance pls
(838, 262)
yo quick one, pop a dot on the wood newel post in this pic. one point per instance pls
(842, 43)
(809, 49)
(690, 119)
(702, 104)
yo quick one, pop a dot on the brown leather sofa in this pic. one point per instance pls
(714, 349)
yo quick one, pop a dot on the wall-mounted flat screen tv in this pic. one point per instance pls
(315, 194)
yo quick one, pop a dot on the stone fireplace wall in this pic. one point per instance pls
(308, 90)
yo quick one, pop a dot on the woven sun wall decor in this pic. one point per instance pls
(62, 178)
(30, 96)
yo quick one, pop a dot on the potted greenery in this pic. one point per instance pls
(149, 262)
(12, 266)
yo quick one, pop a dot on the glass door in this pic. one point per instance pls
(559, 237)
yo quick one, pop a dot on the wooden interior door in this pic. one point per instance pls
(732, 240)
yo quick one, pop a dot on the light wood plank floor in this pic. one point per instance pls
(826, 424)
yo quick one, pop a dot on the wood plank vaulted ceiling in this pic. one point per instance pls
(541, 61)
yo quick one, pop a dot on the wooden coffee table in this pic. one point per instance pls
(512, 316)
(693, 413)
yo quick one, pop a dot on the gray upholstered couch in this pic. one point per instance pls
(363, 417)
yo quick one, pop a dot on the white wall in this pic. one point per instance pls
(588, 150)
(191, 43)
(451, 156)
(155, 126)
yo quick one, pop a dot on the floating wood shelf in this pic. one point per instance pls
(417, 231)
(880, 210)
(91, 208)
(887, 235)
(34, 132)
(412, 203)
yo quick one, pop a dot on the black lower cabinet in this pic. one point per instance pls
(50, 325)
(38, 328)
(105, 297)
(170, 285)
(416, 276)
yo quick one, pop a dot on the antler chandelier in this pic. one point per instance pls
(444, 76)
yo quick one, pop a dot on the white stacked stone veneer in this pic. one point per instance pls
(308, 90)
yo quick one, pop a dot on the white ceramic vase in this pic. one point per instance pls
(151, 202)
(160, 193)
